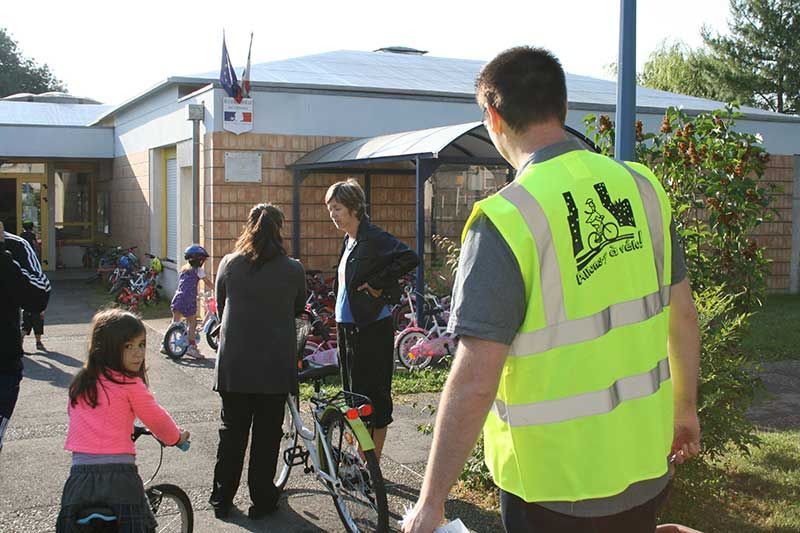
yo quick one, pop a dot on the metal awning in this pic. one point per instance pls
(458, 141)
(465, 144)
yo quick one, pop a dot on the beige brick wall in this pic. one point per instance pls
(392, 201)
(776, 235)
(130, 197)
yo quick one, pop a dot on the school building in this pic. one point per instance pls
(404, 123)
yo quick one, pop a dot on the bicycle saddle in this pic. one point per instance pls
(313, 373)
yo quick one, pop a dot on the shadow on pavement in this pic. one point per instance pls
(41, 369)
(476, 518)
(286, 518)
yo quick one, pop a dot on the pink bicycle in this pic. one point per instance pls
(416, 347)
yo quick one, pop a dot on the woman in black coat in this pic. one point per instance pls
(370, 264)
(260, 291)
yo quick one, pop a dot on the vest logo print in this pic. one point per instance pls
(609, 236)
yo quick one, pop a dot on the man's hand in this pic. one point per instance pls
(423, 518)
(375, 293)
(686, 436)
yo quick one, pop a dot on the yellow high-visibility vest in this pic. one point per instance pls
(584, 407)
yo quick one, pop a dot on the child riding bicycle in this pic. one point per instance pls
(105, 397)
(184, 303)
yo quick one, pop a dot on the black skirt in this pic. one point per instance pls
(115, 486)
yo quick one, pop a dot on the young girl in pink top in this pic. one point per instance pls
(105, 397)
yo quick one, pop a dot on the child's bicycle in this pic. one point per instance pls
(416, 347)
(169, 503)
(176, 339)
(338, 450)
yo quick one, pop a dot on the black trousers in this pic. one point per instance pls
(522, 517)
(366, 365)
(32, 321)
(240, 411)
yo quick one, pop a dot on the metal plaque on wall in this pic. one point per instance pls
(243, 167)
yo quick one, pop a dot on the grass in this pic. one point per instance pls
(759, 492)
(773, 335)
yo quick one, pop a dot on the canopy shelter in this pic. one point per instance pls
(427, 150)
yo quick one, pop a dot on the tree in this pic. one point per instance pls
(22, 74)
(677, 68)
(759, 62)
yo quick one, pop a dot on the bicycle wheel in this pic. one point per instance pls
(175, 341)
(407, 340)
(212, 340)
(172, 508)
(361, 502)
(288, 441)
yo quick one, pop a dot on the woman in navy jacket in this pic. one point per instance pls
(371, 262)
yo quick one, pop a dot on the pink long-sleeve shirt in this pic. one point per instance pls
(107, 428)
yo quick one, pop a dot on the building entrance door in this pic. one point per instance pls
(8, 203)
(24, 199)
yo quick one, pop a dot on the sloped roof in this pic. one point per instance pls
(50, 114)
(408, 73)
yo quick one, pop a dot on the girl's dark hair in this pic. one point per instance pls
(111, 330)
(261, 238)
(350, 194)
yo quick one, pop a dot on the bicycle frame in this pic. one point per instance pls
(313, 440)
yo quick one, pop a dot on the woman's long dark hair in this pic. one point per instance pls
(111, 330)
(261, 239)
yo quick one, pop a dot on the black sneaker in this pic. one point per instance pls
(222, 512)
(40, 346)
(257, 513)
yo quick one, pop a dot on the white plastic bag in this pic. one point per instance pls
(454, 526)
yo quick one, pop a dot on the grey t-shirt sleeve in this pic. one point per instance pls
(488, 299)
(678, 258)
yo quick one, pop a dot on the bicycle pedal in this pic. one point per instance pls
(295, 456)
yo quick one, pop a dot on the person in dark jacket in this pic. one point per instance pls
(32, 320)
(23, 285)
(260, 291)
(370, 264)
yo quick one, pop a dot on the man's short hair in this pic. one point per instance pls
(525, 85)
(350, 194)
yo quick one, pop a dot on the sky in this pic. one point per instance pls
(112, 53)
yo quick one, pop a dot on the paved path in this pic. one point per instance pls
(34, 465)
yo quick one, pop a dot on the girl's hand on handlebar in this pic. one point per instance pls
(184, 437)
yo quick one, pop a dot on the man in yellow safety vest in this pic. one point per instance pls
(579, 348)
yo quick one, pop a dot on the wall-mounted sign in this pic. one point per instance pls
(237, 118)
(243, 167)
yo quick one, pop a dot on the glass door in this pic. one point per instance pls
(32, 194)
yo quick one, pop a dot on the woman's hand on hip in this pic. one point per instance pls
(375, 293)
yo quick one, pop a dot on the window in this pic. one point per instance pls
(73, 220)
(103, 215)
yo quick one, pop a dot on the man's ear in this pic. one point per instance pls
(494, 121)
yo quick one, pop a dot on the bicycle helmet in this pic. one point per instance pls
(155, 264)
(125, 262)
(195, 254)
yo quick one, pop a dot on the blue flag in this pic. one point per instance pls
(227, 76)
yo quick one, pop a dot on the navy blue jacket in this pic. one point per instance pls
(23, 285)
(379, 259)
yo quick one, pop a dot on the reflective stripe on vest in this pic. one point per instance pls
(587, 404)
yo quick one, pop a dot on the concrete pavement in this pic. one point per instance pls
(34, 465)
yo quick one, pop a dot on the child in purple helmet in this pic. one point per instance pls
(184, 303)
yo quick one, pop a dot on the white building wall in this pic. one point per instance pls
(56, 141)
(160, 120)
